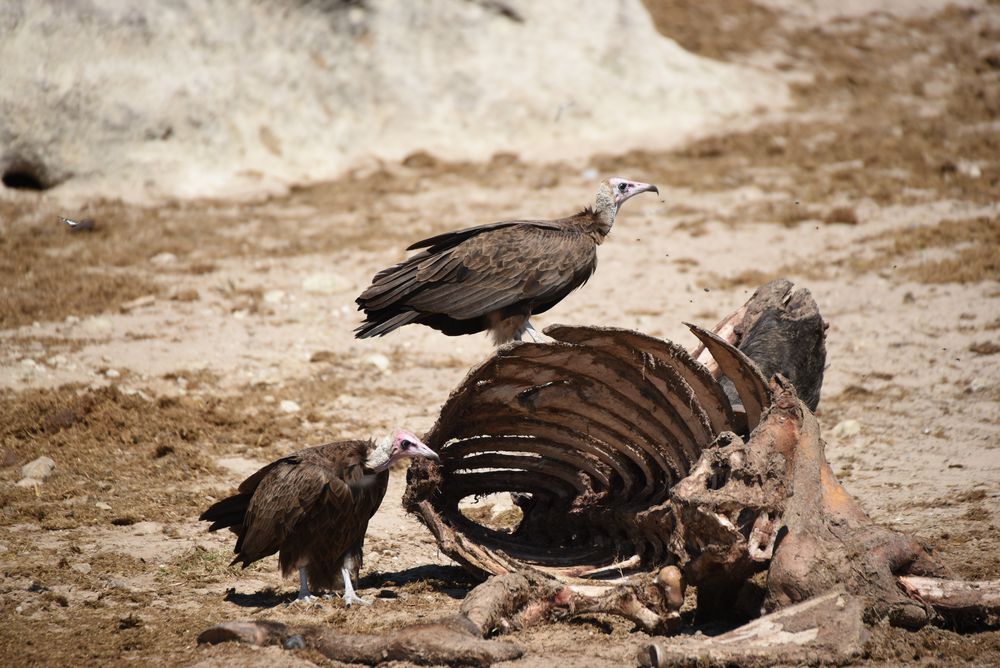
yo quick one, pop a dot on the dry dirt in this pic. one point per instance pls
(880, 192)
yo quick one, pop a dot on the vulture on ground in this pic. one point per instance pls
(493, 276)
(312, 508)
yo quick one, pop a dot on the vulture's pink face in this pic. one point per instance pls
(406, 444)
(623, 190)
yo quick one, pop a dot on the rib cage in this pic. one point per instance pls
(596, 428)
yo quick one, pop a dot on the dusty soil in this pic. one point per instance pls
(879, 191)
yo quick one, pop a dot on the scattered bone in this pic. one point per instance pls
(827, 629)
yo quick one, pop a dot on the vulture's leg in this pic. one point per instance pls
(304, 594)
(349, 594)
(535, 335)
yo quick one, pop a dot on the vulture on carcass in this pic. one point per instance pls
(493, 277)
(312, 508)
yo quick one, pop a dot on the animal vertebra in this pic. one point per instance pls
(493, 276)
(312, 508)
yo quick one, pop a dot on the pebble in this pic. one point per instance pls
(98, 325)
(82, 567)
(326, 284)
(977, 385)
(274, 296)
(112, 373)
(57, 360)
(146, 528)
(970, 169)
(163, 259)
(289, 406)
(39, 469)
(29, 363)
(102, 505)
(377, 360)
(847, 428)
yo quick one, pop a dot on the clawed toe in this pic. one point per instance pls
(350, 599)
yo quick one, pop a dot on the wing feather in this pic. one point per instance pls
(466, 275)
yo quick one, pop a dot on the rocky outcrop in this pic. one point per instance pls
(189, 98)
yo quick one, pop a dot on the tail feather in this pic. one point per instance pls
(379, 324)
(228, 512)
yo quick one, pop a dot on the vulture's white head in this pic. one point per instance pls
(402, 444)
(623, 189)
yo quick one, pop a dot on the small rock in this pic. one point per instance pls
(39, 469)
(377, 360)
(289, 406)
(274, 296)
(847, 428)
(112, 373)
(3, 548)
(977, 385)
(57, 360)
(72, 320)
(323, 356)
(146, 528)
(188, 295)
(326, 284)
(163, 259)
(98, 325)
(82, 567)
(102, 505)
(29, 363)
(842, 214)
(970, 169)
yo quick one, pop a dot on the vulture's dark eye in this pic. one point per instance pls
(406, 445)
(621, 187)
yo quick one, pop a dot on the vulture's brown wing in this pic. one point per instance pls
(314, 500)
(448, 239)
(282, 506)
(493, 270)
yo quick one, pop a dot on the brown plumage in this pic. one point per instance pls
(493, 277)
(312, 508)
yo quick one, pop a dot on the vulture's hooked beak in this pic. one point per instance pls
(424, 450)
(633, 188)
(646, 188)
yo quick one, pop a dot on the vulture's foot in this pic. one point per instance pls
(534, 334)
(352, 598)
(306, 600)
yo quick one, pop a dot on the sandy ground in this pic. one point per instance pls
(154, 357)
